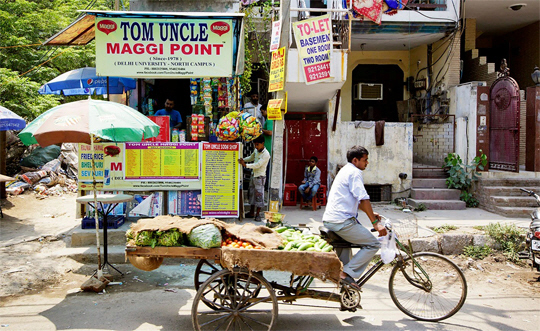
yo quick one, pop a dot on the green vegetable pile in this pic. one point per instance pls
(205, 236)
(168, 238)
(294, 240)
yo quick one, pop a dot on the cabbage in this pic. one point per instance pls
(205, 236)
(146, 238)
(171, 237)
(130, 235)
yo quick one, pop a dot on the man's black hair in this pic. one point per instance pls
(356, 152)
(314, 158)
(259, 139)
(169, 98)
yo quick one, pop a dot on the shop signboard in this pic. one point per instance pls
(314, 41)
(221, 180)
(274, 109)
(277, 71)
(164, 130)
(164, 47)
(276, 34)
(161, 161)
(111, 172)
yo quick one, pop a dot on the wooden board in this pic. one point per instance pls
(181, 252)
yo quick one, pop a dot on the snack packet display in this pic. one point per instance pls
(200, 124)
(250, 127)
(227, 128)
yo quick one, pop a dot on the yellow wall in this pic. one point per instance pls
(406, 60)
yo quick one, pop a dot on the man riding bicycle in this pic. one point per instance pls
(346, 196)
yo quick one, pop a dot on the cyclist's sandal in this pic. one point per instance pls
(351, 282)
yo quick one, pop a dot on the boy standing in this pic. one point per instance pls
(260, 158)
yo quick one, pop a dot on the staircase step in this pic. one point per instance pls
(513, 211)
(509, 181)
(438, 204)
(429, 183)
(506, 191)
(429, 173)
(435, 194)
(514, 201)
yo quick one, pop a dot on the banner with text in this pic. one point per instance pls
(277, 71)
(162, 161)
(314, 42)
(111, 168)
(221, 185)
(164, 48)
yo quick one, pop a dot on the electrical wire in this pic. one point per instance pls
(39, 65)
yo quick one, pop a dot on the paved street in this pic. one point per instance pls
(162, 299)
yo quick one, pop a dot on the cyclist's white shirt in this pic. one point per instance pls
(345, 194)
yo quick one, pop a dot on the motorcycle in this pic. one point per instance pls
(533, 235)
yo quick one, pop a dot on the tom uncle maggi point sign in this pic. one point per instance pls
(314, 42)
(168, 48)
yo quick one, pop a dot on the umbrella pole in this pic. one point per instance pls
(108, 98)
(96, 217)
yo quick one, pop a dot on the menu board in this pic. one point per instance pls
(162, 161)
(220, 187)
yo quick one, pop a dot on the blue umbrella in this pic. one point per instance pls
(84, 81)
(10, 121)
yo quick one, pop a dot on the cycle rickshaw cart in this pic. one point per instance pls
(233, 294)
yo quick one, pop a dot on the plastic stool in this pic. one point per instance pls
(289, 196)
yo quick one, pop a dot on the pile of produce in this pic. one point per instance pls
(294, 240)
(205, 236)
(232, 242)
(168, 238)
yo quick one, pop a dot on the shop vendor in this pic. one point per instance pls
(174, 115)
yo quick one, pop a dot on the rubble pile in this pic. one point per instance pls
(55, 177)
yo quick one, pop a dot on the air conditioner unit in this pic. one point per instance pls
(364, 91)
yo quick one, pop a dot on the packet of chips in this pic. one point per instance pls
(227, 129)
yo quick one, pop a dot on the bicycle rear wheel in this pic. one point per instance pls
(432, 289)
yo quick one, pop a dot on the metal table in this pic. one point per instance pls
(112, 200)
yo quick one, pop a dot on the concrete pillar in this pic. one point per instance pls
(532, 147)
(275, 198)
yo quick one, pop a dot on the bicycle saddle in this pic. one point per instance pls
(333, 238)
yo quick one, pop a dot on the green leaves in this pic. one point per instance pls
(23, 24)
(461, 176)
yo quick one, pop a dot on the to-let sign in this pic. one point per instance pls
(314, 41)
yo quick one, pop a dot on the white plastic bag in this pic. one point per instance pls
(388, 248)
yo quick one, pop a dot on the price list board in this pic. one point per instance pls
(162, 161)
(220, 187)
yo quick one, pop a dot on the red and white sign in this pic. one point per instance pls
(314, 42)
(276, 33)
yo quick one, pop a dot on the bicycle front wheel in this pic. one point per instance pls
(428, 287)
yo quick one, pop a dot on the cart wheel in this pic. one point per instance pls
(204, 270)
(235, 300)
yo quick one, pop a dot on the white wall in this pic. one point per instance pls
(386, 162)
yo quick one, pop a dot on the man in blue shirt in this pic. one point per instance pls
(174, 115)
(346, 196)
(312, 180)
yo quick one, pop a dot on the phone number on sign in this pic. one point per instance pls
(319, 75)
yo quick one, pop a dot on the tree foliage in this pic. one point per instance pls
(24, 64)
